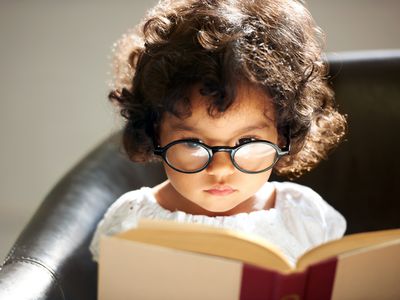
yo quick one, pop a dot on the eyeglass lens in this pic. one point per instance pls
(187, 156)
(191, 156)
(255, 156)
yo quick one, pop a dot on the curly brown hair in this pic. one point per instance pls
(273, 44)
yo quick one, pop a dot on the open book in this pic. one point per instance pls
(171, 260)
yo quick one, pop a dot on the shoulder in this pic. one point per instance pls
(306, 210)
(294, 190)
(121, 215)
(300, 196)
(124, 202)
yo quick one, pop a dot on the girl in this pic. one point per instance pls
(224, 92)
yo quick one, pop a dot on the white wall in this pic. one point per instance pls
(54, 64)
(358, 24)
(53, 74)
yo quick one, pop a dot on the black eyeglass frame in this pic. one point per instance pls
(161, 151)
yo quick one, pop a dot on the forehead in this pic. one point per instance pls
(252, 109)
(250, 103)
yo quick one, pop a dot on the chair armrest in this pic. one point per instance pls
(51, 259)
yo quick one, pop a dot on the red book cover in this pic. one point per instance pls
(258, 283)
(315, 283)
(320, 280)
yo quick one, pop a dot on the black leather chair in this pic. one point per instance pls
(51, 260)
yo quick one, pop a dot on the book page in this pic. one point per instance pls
(346, 244)
(210, 240)
(131, 270)
(371, 273)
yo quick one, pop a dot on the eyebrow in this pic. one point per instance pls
(185, 127)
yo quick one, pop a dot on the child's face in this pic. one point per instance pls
(252, 115)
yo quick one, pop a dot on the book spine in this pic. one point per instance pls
(290, 286)
(320, 280)
(258, 283)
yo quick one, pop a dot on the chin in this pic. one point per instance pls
(223, 209)
(218, 209)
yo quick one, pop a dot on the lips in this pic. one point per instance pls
(220, 190)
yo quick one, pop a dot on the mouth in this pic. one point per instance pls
(220, 191)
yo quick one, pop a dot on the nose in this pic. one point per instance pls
(220, 165)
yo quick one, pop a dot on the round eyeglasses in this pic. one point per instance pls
(192, 156)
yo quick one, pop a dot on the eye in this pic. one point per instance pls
(246, 139)
(192, 143)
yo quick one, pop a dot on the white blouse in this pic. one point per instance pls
(300, 220)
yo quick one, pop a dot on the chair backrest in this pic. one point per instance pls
(360, 177)
(51, 260)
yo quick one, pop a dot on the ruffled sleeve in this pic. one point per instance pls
(307, 216)
(118, 217)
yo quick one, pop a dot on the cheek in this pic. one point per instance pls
(252, 183)
(183, 183)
